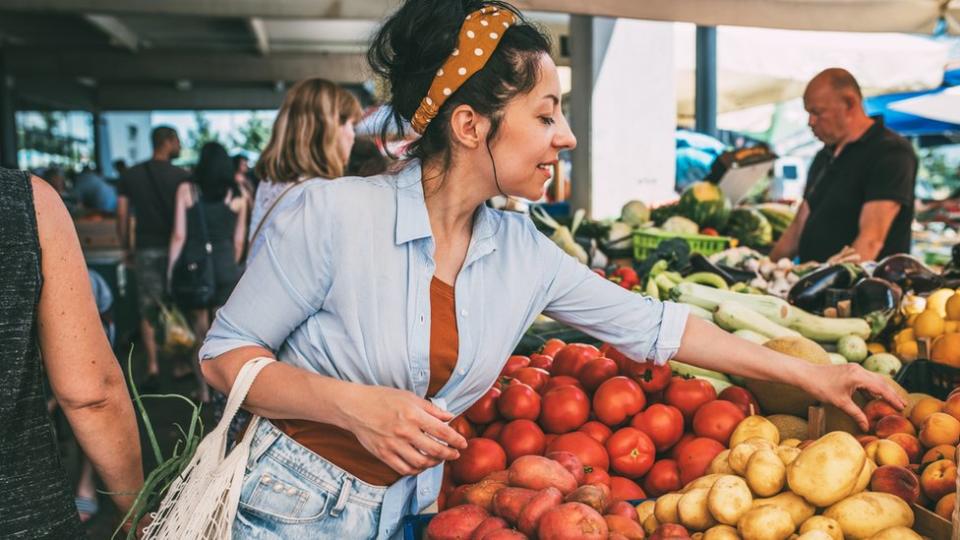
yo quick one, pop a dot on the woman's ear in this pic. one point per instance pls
(467, 127)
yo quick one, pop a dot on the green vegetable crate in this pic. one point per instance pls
(647, 240)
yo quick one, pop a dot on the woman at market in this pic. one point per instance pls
(392, 301)
(312, 138)
(215, 198)
(47, 312)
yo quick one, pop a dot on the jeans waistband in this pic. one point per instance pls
(270, 441)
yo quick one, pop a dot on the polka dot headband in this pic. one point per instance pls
(479, 37)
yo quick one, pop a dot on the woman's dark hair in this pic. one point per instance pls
(414, 43)
(214, 173)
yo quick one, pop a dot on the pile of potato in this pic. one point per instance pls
(763, 488)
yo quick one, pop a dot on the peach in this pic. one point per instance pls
(884, 452)
(940, 428)
(877, 409)
(924, 408)
(938, 479)
(864, 440)
(943, 451)
(894, 423)
(952, 406)
(945, 506)
(910, 444)
(897, 481)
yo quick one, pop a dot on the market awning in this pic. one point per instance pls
(941, 107)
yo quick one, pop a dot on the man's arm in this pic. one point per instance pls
(789, 242)
(876, 218)
(123, 221)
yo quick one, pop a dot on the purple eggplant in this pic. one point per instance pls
(909, 273)
(877, 301)
(810, 293)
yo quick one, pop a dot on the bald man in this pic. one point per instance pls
(860, 186)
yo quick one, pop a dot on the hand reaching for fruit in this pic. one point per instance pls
(836, 384)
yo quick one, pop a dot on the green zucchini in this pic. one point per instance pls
(773, 308)
(750, 335)
(732, 316)
(698, 311)
(707, 278)
(687, 370)
(828, 330)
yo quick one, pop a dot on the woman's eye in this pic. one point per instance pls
(548, 120)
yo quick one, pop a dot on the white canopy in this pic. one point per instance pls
(942, 106)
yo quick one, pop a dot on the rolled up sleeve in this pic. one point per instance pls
(642, 328)
(284, 284)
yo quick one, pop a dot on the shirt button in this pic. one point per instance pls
(462, 371)
(422, 318)
(463, 312)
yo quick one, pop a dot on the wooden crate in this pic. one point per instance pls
(100, 233)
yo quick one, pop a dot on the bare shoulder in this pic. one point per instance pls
(53, 220)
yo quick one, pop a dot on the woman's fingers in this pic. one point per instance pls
(877, 386)
(429, 446)
(442, 432)
(415, 459)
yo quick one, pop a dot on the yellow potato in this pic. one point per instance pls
(798, 508)
(692, 509)
(766, 523)
(825, 524)
(645, 510)
(721, 464)
(721, 532)
(815, 535)
(729, 499)
(666, 508)
(827, 471)
(765, 473)
(650, 525)
(740, 454)
(696, 536)
(897, 533)
(755, 427)
(866, 473)
(702, 482)
(865, 514)
(787, 453)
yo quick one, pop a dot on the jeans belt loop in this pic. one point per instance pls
(342, 498)
(264, 442)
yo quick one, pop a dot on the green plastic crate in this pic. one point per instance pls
(647, 240)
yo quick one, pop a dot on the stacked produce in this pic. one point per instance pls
(595, 426)
(936, 319)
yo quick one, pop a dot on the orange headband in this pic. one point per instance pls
(479, 37)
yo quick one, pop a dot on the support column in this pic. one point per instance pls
(101, 145)
(705, 104)
(8, 121)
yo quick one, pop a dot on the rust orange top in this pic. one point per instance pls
(341, 447)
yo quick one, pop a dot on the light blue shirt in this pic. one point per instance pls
(341, 287)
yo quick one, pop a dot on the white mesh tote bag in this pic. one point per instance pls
(202, 502)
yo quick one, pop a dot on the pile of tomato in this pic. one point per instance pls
(634, 425)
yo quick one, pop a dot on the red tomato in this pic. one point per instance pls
(610, 352)
(675, 451)
(493, 430)
(650, 376)
(548, 438)
(662, 478)
(597, 430)
(662, 423)
(590, 452)
(596, 475)
(463, 426)
(480, 458)
(484, 410)
(561, 380)
(520, 438)
(624, 489)
(688, 395)
(617, 399)
(695, 456)
(519, 401)
(596, 371)
(741, 397)
(570, 462)
(717, 420)
(631, 452)
(571, 359)
(514, 363)
(541, 361)
(564, 409)
(533, 377)
(552, 347)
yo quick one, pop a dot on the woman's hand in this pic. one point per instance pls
(406, 432)
(836, 385)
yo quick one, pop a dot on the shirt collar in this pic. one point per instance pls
(413, 222)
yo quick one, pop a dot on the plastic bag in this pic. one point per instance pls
(177, 335)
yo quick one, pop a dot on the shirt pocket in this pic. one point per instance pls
(276, 494)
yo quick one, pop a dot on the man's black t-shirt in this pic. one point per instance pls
(152, 189)
(879, 166)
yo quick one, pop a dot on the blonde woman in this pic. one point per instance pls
(312, 138)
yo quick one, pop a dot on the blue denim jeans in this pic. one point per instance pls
(289, 492)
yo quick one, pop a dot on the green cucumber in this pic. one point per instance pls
(664, 284)
(651, 289)
(732, 316)
(707, 278)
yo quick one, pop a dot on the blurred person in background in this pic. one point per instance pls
(215, 193)
(93, 192)
(366, 158)
(312, 138)
(148, 191)
(50, 325)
